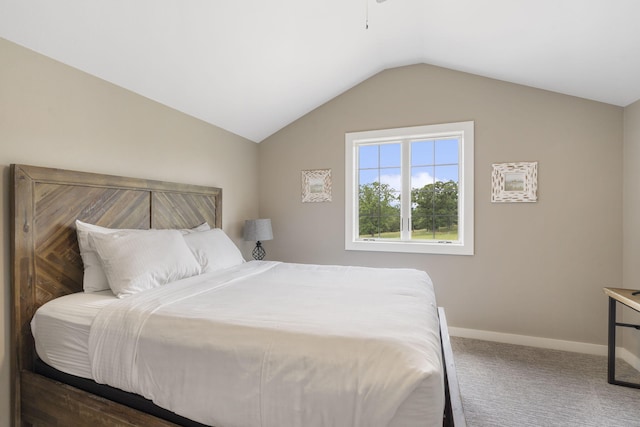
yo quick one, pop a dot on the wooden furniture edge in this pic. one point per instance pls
(625, 296)
(21, 281)
(71, 404)
(64, 176)
(454, 412)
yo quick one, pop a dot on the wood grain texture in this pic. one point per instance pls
(51, 403)
(46, 259)
(181, 210)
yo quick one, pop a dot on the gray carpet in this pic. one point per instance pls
(504, 385)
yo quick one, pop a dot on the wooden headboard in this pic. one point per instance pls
(46, 260)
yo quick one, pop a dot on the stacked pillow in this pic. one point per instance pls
(131, 261)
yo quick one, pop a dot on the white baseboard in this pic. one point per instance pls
(553, 344)
(628, 357)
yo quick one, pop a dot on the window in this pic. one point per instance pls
(410, 189)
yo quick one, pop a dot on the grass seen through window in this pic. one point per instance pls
(447, 235)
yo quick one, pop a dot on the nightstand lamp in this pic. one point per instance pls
(258, 230)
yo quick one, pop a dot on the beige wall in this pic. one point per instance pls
(53, 115)
(631, 217)
(539, 268)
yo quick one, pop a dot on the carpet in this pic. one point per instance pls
(505, 385)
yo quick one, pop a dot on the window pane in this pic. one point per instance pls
(447, 173)
(380, 187)
(379, 211)
(445, 198)
(421, 153)
(434, 227)
(434, 211)
(422, 226)
(380, 227)
(391, 179)
(446, 151)
(368, 156)
(422, 176)
(390, 155)
(422, 211)
(390, 225)
(447, 227)
(369, 176)
(369, 227)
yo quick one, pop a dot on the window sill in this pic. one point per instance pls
(410, 247)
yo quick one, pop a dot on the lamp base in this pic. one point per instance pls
(258, 252)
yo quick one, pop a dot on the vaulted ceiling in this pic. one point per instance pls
(254, 66)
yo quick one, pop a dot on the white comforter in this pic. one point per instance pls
(276, 345)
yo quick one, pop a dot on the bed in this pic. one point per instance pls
(46, 265)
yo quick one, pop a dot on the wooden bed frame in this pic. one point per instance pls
(46, 264)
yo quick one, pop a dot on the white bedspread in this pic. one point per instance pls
(276, 345)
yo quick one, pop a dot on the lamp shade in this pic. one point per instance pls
(257, 230)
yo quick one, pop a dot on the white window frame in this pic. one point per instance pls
(464, 245)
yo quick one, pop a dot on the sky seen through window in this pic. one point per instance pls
(431, 161)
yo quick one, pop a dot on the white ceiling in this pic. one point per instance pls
(254, 66)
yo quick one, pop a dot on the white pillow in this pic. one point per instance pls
(135, 261)
(94, 279)
(213, 249)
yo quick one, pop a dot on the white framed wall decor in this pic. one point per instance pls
(514, 182)
(316, 185)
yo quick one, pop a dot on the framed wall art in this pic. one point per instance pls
(316, 185)
(514, 182)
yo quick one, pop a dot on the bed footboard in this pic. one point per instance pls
(453, 411)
